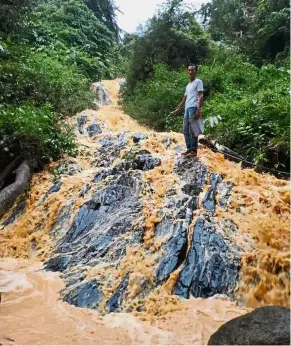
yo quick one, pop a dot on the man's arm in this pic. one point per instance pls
(180, 106)
(200, 104)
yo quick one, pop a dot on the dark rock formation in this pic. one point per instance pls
(55, 188)
(58, 263)
(102, 96)
(74, 277)
(175, 249)
(111, 221)
(62, 222)
(110, 149)
(209, 202)
(145, 162)
(212, 263)
(68, 167)
(218, 193)
(81, 121)
(268, 325)
(96, 236)
(225, 190)
(115, 302)
(93, 130)
(193, 175)
(138, 136)
(16, 211)
(85, 295)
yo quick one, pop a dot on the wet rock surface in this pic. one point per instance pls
(102, 96)
(212, 263)
(55, 188)
(84, 295)
(62, 222)
(115, 302)
(225, 190)
(110, 222)
(93, 232)
(209, 201)
(81, 121)
(138, 136)
(93, 130)
(57, 263)
(145, 162)
(16, 211)
(68, 167)
(166, 142)
(110, 148)
(268, 325)
(176, 246)
(193, 175)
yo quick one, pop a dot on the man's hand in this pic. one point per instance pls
(198, 113)
(175, 111)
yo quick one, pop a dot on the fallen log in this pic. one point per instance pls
(213, 145)
(9, 194)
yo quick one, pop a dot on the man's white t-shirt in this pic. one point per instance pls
(191, 92)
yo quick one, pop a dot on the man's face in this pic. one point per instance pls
(191, 72)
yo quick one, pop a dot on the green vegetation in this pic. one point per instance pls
(50, 52)
(172, 37)
(35, 132)
(260, 28)
(246, 87)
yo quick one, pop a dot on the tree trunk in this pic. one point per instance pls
(9, 194)
(8, 170)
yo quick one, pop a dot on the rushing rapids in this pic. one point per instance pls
(134, 229)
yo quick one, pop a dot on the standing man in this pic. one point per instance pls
(193, 124)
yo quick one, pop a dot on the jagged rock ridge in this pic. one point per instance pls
(112, 221)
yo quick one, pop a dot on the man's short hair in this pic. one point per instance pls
(194, 66)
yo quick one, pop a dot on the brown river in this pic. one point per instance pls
(33, 313)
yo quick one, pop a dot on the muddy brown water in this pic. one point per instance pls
(32, 311)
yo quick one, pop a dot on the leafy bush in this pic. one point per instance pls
(42, 79)
(252, 103)
(255, 118)
(50, 52)
(153, 100)
(71, 31)
(259, 28)
(35, 133)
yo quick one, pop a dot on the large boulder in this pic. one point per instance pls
(101, 94)
(268, 325)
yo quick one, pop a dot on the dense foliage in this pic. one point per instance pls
(246, 105)
(172, 36)
(33, 132)
(50, 52)
(70, 30)
(261, 28)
